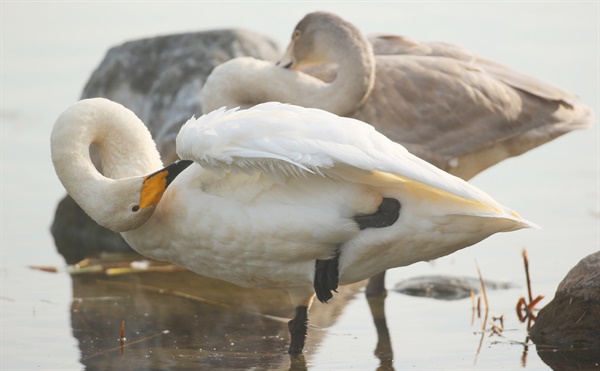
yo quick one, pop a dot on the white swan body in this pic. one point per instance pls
(274, 188)
(454, 109)
(313, 171)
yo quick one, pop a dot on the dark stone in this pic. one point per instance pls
(77, 236)
(446, 287)
(159, 79)
(567, 330)
(572, 318)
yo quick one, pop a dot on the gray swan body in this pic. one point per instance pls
(456, 110)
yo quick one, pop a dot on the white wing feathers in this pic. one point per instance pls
(282, 140)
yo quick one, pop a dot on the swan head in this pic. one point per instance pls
(121, 197)
(320, 38)
(126, 204)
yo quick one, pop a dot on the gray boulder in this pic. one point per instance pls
(159, 79)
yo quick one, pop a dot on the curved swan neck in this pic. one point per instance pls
(343, 44)
(127, 153)
(125, 145)
(245, 82)
(353, 84)
(319, 38)
(322, 37)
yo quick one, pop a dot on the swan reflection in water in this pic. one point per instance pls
(181, 319)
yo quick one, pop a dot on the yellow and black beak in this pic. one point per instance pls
(155, 184)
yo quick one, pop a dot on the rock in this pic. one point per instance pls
(572, 319)
(446, 287)
(159, 79)
(77, 237)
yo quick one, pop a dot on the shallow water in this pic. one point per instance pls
(57, 321)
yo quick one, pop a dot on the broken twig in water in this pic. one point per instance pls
(499, 318)
(495, 329)
(122, 339)
(106, 351)
(44, 268)
(118, 265)
(525, 309)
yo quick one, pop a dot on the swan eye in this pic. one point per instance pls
(296, 34)
(135, 208)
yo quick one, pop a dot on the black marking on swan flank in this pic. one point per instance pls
(386, 215)
(326, 271)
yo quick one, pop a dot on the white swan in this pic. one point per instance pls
(279, 196)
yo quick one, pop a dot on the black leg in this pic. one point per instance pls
(326, 271)
(326, 277)
(298, 330)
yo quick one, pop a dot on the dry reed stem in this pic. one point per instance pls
(485, 299)
(526, 263)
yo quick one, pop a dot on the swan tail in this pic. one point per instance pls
(478, 205)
